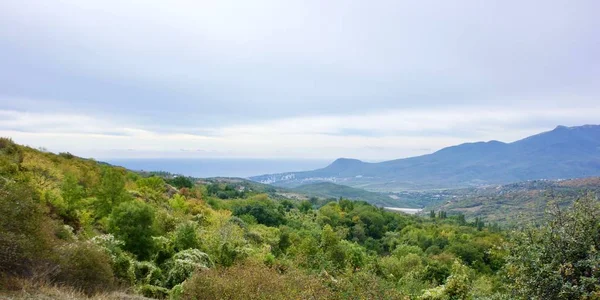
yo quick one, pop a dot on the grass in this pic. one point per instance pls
(18, 288)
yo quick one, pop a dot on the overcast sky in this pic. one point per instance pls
(372, 80)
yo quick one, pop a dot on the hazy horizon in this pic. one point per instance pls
(219, 167)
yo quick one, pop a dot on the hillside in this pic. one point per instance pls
(565, 152)
(76, 228)
(332, 190)
(516, 203)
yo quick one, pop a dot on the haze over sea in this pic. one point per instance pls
(214, 167)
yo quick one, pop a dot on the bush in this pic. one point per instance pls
(176, 293)
(365, 285)
(186, 237)
(458, 286)
(122, 262)
(253, 281)
(85, 266)
(184, 264)
(153, 291)
(392, 266)
(26, 234)
(148, 273)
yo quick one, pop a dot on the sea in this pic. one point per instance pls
(219, 167)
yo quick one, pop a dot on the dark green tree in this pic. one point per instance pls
(181, 182)
(305, 206)
(132, 222)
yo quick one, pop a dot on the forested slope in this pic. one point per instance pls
(77, 225)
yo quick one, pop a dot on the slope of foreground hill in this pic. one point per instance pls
(74, 228)
(565, 152)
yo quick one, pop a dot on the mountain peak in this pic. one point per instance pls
(582, 127)
(345, 161)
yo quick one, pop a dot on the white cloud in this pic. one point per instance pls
(268, 78)
(373, 136)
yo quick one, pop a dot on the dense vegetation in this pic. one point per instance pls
(516, 203)
(332, 190)
(80, 224)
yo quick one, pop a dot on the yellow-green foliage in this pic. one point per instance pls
(216, 240)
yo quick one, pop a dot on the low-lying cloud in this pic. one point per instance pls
(373, 136)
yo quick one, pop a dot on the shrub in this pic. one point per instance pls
(186, 237)
(176, 293)
(184, 263)
(153, 291)
(26, 234)
(392, 266)
(148, 273)
(365, 285)
(458, 286)
(254, 281)
(123, 263)
(85, 266)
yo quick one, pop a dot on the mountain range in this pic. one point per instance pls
(565, 152)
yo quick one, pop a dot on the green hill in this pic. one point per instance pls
(75, 228)
(332, 190)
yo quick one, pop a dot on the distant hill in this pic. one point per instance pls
(332, 190)
(515, 203)
(565, 152)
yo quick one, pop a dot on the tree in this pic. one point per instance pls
(263, 209)
(181, 182)
(479, 224)
(356, 255)
(461, 219)
(442, 214)
(151, 188)
(559, 260)
(186, 237)
(305, 206)
(132, 222)
(111, 191)
(71, 193)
